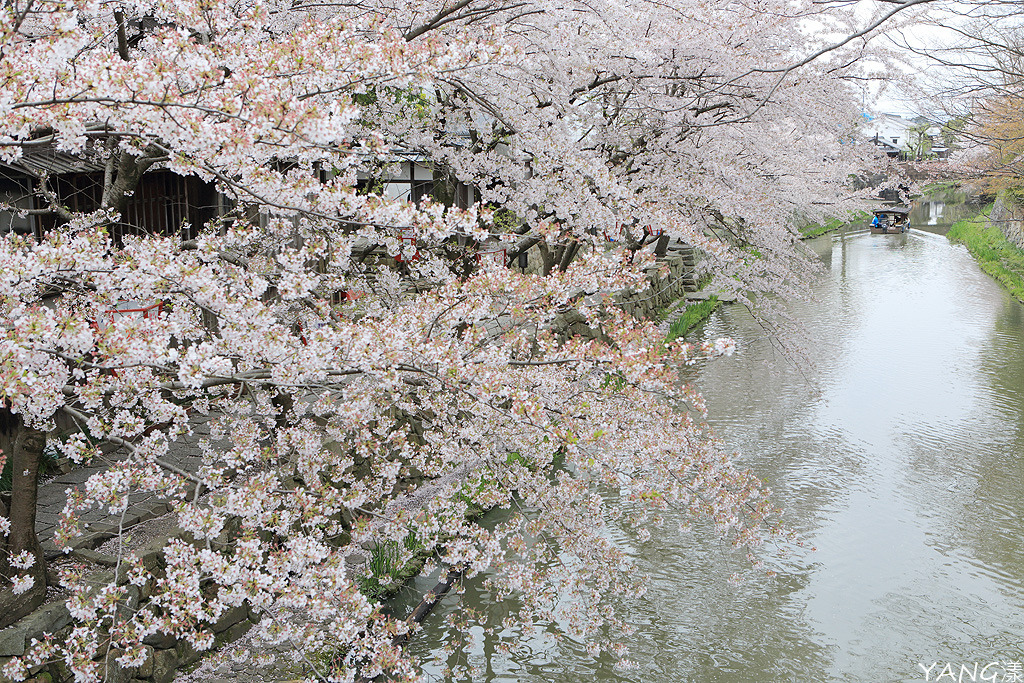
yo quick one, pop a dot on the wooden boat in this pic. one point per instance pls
(891, 220)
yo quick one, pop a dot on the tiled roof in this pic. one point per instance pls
(39, 158)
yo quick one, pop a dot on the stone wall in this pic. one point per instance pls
(1008, 215)
(165, 655)
(665, 289)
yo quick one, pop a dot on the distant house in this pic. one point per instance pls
(890, 132)
(938, 142)
(164, 203)
(16, 192)
(891, 149)
(413, 177)
(905, 138)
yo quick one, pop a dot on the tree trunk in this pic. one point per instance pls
(548, 260)
(23, 446)
(568, 255)
(283, 403)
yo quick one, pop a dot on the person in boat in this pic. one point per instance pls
(876, 222)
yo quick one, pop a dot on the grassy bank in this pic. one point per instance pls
(995, 254)
(941, 186)
(815, 229)
(694, 314)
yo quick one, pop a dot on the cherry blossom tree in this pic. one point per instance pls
(390, 422)
(968, 80)
(985, 69)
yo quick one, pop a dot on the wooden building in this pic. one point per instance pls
(164, 203)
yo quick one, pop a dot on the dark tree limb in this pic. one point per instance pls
(23, 446)
(122, 35)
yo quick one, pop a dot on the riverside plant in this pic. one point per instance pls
(595, 132)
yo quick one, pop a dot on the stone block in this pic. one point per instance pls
(95, 557)
(234, 632)
(115, 673)
(97, 580)
(231, 617)
(103, 527)
(186, 653)
(165, 665)
(129, 603)
(152, 554)
(146, 670)
(153, 511)
(91, 539)
(12, 640)
(50, 550)
(47, 619)
(160, 641)
(61, 672)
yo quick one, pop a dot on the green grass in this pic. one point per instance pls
(815, 229)
(996, 255)
(691, 317)
(941, 186)
(386, 573)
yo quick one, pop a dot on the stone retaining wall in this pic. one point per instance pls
(665, 289)
(1008, 215)
(165, 655)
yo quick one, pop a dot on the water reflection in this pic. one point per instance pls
(922, 382)
(899, 453)
(934, 210)
(937, 211)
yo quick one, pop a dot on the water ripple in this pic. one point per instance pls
(899, 454)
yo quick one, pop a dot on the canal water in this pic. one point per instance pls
(941, 208)
(898, 456)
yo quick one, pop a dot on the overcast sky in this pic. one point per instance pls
(933, 32)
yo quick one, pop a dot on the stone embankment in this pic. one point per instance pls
(144, 528)
(1008, 216)
(667, 287)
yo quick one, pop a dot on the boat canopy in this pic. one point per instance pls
(890, 210)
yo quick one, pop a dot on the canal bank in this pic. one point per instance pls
(996, 255)
(993, 233)
(812, 230)
(689, 316)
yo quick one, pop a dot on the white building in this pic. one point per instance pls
(890, 131)
(904, 137)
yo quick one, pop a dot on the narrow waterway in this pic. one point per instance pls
(898, 454)
(941, 208)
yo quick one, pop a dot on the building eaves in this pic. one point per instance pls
(40, 158)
